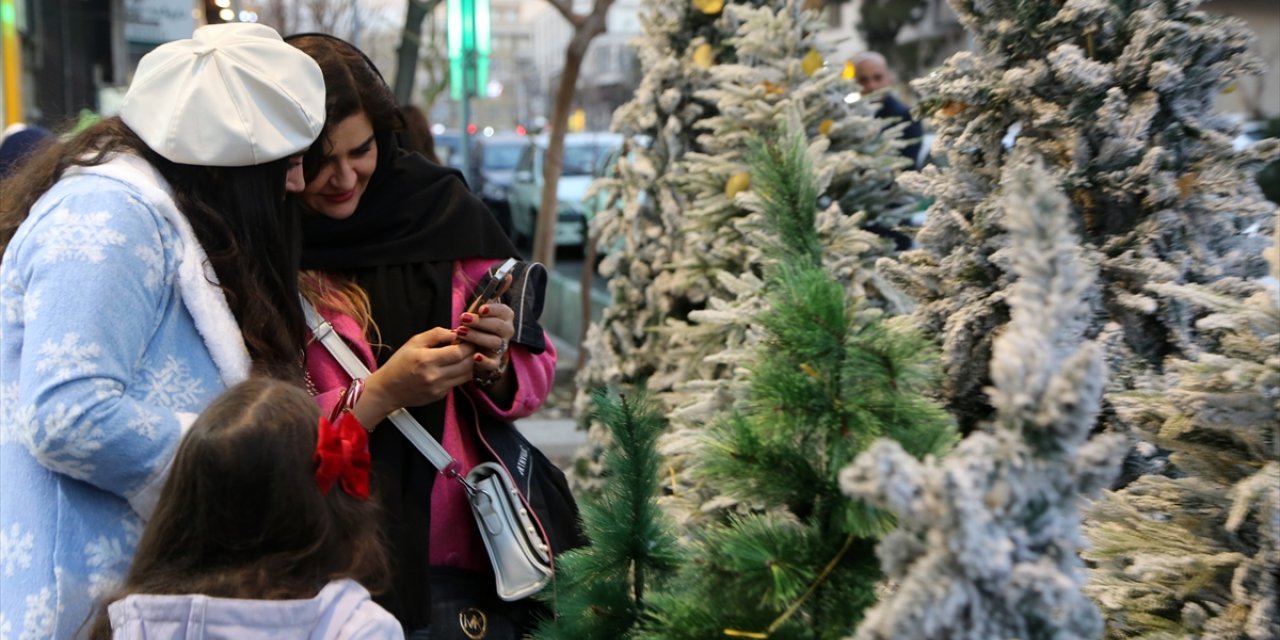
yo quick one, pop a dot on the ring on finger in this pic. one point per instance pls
(487, 378)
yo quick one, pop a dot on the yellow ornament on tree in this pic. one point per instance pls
(737, 183)
(824, 127)
(849, 72)
(702, 56)
(709, 7)
(952, 109)
(771, 89)
(1187, 185)
(812, 62)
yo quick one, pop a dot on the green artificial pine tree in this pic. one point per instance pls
(600, 589)
(1194, 551)
(1117, 97)
(829, 376)
(679, 237)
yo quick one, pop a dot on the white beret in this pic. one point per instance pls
(233, 95)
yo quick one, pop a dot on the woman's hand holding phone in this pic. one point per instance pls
(488, 324)
(422, 371)
(433, 362)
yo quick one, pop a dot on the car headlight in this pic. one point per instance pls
(570, 211)
(493, 191)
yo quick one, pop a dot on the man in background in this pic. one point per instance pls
(873, 74)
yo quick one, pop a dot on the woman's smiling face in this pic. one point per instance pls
(350, 158)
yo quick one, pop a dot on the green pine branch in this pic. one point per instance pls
(790, 204)
(600, 589)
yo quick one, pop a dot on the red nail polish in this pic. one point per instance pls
(479, 358)
(462, 331)
(484, 311)
(468, 318)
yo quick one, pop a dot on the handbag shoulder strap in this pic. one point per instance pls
(413, 431)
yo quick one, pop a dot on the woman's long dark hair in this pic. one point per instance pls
(417, 132)
(352, 85)
(240, 515)
(239, 215)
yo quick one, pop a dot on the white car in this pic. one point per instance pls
(582, 154)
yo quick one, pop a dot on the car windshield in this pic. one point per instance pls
(580, 159)
(502, 157)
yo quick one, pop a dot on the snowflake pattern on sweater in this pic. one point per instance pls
(105, 358)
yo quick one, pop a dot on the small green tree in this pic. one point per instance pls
(601, 588)
(682, 241)
(794, 559)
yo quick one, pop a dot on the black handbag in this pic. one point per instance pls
(463, 607)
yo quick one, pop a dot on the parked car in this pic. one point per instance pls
(449, 148)
(583, 153)
(498, 156)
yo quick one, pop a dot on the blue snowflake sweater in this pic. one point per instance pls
(112, 338)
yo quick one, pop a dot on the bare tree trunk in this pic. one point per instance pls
(283, 15)
(585, 29)
(407, 54)
(435, 63)
(588, 279)
(544, 247)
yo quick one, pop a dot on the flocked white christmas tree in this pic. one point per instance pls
(684, 263)
(988, 537)
(1194, 551)
(1117, 97)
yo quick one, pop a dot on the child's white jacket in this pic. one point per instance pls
(341, 611)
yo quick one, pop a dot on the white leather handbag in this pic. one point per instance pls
(517, 546)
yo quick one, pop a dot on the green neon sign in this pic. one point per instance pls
(469, 47)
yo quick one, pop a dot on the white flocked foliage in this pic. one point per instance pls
(1117, 97)
(1194, 550)
(987, 541)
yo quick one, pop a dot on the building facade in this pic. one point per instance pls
(67, 52)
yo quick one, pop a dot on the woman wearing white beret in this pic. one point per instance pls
(149, 263)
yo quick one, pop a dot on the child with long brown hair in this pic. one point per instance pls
(264, 529)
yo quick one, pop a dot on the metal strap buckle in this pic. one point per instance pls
(451, 471)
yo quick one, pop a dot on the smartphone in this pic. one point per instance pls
(490, 288)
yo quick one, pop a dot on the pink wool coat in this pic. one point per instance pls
(454, 540)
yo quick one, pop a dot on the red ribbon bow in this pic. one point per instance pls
(342, 456)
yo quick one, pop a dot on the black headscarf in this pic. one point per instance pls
(412, 211)
(414, 221)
